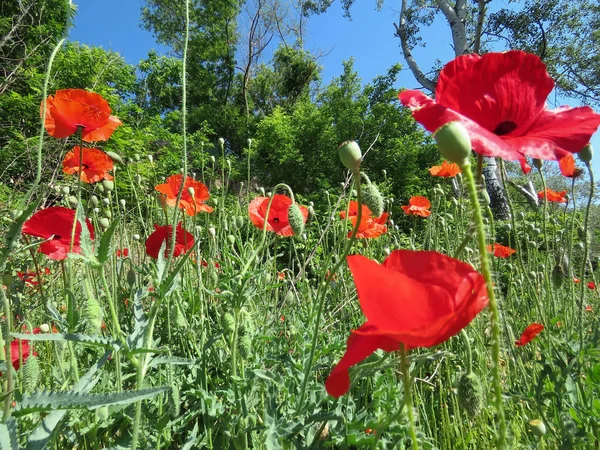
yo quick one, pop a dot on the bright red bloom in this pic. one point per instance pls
(369, 227)
(191, 205)
(96, 164)
(69, 109)
(567, 167)
(501, 99)
(589, 308)
(278, 214)
(31, 277)
(530, 332)
(591, 285)
(552, 196)
(576, 280)
(55, 225)
(500, 251)
(419, 206)
(446, 170)
(183, 240)
(419, 299)
(122, 253)
(15, 355)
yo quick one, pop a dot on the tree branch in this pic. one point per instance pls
(457, 24)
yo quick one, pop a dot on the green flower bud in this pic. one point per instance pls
(586, 153)
(231, 239)
(94, 200)
(136, 157)
(536, 427)
(115, 157)
(296, 219)
(104, 222)
(150, 158)
(122, 202)
(16, 213)
(221, 142)
(31, 374)
(100, 188)
(470, 394)
(72, 200)
(212, 159)
(136, 237)
(138, 178)
(108, 213)
(240, 221)
(350, 155)
(109, 185)
(131, 277)
(244, 345)
(373, 199)
(453, 142)
(65, 190)
(228, 323)
(537, 163)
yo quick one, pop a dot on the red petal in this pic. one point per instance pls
(530, 332)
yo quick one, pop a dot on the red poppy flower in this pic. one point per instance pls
(591, 285)
(278, 214)
(530, 332)
(567, 167)
(419, 206)
(552, 196)
(15, 352)
(29, 277)
(589, 308)
(69, 109)
(122, 253)
(96, 164)
(446, 170)
(55, 225)
(280, 276)
(500, 251)
(191, 204)
(419, 299)
(576, 280)
(501, 99)
(369, 227)
(183, 240)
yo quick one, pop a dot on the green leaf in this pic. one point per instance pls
(140, 321)
(46, 401)
(14, 232)
(8, 435)
(81, 338)
(174, 360)
(103, 250)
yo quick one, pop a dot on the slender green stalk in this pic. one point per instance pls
(586, 249)
(408, 401)
(494, 315)
(7, 356)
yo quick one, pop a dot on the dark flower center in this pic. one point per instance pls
(276, 219)
(57, 237)
(505, 127)
(85, 166)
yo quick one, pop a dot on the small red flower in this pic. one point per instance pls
(420, 299)
(446, 170)
(530, 332)
(552, 196)
(205, 264)
(418, 205)
(122, 253)
(567, 167)
(370, 227)
(280, 276)
(69, 109)
(588, 308)
(591, 285)
(504, 107)
(576, 280)
(28, 277)
(183, 240)
(500, 251)
(15, 354)
(278, 214)
(55, 225)
(96, 164)
(191, 205)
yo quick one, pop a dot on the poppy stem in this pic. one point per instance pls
(467, 341)
(408, 401)
(7, 357)
(493, 305)
(586, 249)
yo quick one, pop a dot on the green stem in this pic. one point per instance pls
(494, 315)
(408, 401)
(467, 341)
(8, 357)
(586, 249)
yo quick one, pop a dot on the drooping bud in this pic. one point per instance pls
(231, 239)
(212, 232)
(65, 190)
(296, 219)
(350, 155)
(122, 202)
(453, 142)
(261, 190)
(470, 394)
(221, 142)
(109, 185)
(536, 427)
(586, 153)
(136, 237)
(115, 157)
(104, 222)
(192, 191)
(537, 163)
(228, 323)
(131, 277)
(373, 199)
(150, 158)
(45, 328)
(244, 345)
(94, 200)
(136, 157)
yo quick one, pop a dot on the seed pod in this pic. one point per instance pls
(31, 374)
(373, 199)
(231, 239)
(586, 153)
(131, 278)
(136, 157)
(65, 190)
(470, 394)
(296, 219)
(350, 155)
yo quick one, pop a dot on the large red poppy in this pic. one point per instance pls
(369, 227)
(15, 352)
(69, 109)
(419, 299)
(446, 170)
(501, 99)
(530, 332)
(501, 251)
(55, 224)
(418, 205)
(192, 205)
(95, 164)
(553, 196)
(183, 240)
(278, 214)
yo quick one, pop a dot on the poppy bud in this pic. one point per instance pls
(296, 219)
(384, 173)
(240, 221)
(453, 142)
(536, 427)
(136, 237)
(470, 394)
(115, 157)
(92, 313)
(485, 197)
(138, 178)
(108, 213)
(104, 222)
(228, 323)
(131, 277)
(136, 157)
(269, 194)
(45, 328)
(31, 373)
(175, 400)
(221, 142)
(261, 190)
(558, 275)
(178, 318)
(231, 239)
(249, 142)
(212, 232)
(537, 163)
(122, 202)
(350, 155)
(96, 210)
(212, 159)
(311, 211)
(373, 199)
(244, 345)
(16, 213)
(586, 153)
(65, 190)
(109, 185)
(387, 251)
(94, 200)
(72, 200)
(150, 159)
(100, 188)
(191, 191)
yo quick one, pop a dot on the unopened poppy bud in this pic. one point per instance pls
(373, 199)
(191, 191)
(212, 159)
(96, 210)
(94, 200)
(108, 213)
(536, 427)
(384, 173)
(537, 163)
(136, 237)
(109, 185)
(179, 319)
(244, 346)
(104, 222)
(261, 191)
(150, 158)
(558, 276)
(240, 221)
(350, 155)
(296, 219)
(136, 157)
(470, 394)
(387, 251)
(231, 239)
(454, 201)
(100, 188)
(221, 142)
(115, 157)
(122, 202)
(72, 200)
(212, 232)
(31, 374)
(586, 153)
(353, 193)
(453, 142)
(228, 323)
(249, 142)
(92, 314)
(391, 222)
(138, 178)
(311, 211)
(45, 328)
(485, 197)
(65, 190)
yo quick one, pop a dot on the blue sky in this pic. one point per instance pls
(368, 38)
